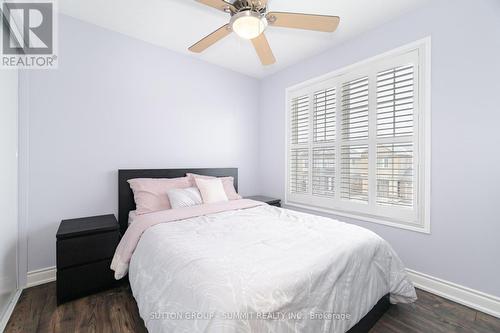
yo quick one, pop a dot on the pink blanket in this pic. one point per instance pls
(129, 241)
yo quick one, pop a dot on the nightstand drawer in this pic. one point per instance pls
(82, 250)
(82, 280)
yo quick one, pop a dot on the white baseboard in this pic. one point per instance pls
(10, 308)
(466, 296)
(41, 276)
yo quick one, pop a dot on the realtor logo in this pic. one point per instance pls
(28, 37)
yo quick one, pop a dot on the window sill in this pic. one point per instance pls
(425, 229)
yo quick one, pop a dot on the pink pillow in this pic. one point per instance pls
(211, 189)
(150, 194)
(227, 183)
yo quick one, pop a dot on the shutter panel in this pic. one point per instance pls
(354, 157)
(324, 116)
(395, 102)
(299, 120)
(323, 172)
(395, 174)
(354, 172)
(299, 170)
(355, 109)
(299, 155)
(395, 163)
(323, 152)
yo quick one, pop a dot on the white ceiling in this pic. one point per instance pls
(177, 24)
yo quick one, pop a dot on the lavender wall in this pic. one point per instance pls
(116, 102)
(465, 223)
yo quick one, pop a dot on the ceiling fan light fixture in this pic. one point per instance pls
(248, 24)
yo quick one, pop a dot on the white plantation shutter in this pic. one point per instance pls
(299, 171)
(355, 109)
(395, 113)
(395, 174)
(299, 156)
(354, 157)
(355, 145)
(323, 151)
(395, 103)
(354, 170)
(300, 120)
(324, 115)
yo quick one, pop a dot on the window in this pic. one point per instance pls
(358, 140)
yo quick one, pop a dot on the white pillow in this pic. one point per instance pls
(131, 216)
(211, 190)
(184, 197)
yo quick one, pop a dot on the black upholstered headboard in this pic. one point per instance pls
(126, 201)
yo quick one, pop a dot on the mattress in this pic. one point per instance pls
(262, 269)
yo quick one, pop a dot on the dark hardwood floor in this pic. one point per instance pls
(116, 311)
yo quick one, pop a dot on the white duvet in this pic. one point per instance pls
(262, 269)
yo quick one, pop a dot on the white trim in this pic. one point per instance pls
(466, 296)
(358, 217)
(419, 219)
(10, 308)
(24, 179)
(41, 276)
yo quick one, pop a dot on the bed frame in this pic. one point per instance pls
(126, 204)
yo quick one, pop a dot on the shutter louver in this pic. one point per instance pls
(395, 174)
(354, 173)
(395, 102)
(300, 120)
(299, 170)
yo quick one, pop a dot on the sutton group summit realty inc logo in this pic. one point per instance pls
(28, 34)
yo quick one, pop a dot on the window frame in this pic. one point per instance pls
(420, 218)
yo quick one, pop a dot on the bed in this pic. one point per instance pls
(250, 267)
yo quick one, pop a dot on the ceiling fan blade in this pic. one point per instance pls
(217, 4)
(303, 21)
(211, 39)
(263, 50)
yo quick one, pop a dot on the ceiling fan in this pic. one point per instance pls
(249, 20)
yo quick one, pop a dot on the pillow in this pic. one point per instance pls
(150, 194)
(211, 190)
(132, 215)
(184, 197)
(227, 183)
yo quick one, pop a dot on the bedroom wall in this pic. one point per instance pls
(116, 102)
(463, 244)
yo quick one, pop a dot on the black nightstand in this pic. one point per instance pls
(268, 200)
(85, 247)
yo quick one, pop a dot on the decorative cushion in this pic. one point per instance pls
(227, 183)
(211, 190)
(184, 197)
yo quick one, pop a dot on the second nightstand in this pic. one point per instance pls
(85, 247)
(268, 200)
